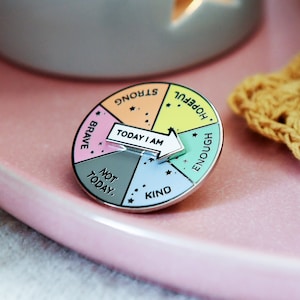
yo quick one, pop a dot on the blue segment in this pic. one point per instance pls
(154, 183)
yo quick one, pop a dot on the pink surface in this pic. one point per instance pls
(236, 237)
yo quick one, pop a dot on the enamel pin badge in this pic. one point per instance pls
(147, 146)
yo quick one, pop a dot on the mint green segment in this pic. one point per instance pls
(202, 146)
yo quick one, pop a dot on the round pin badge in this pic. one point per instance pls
(147, 146)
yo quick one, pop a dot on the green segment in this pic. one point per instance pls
(202, 147)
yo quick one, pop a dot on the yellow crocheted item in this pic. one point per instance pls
(271, 105)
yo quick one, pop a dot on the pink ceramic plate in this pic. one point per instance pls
(235, 237)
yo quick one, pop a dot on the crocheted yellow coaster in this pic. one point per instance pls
(271, 104)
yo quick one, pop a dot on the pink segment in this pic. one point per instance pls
(91, 138)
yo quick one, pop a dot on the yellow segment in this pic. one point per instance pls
(183, 110)
(137, 105)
